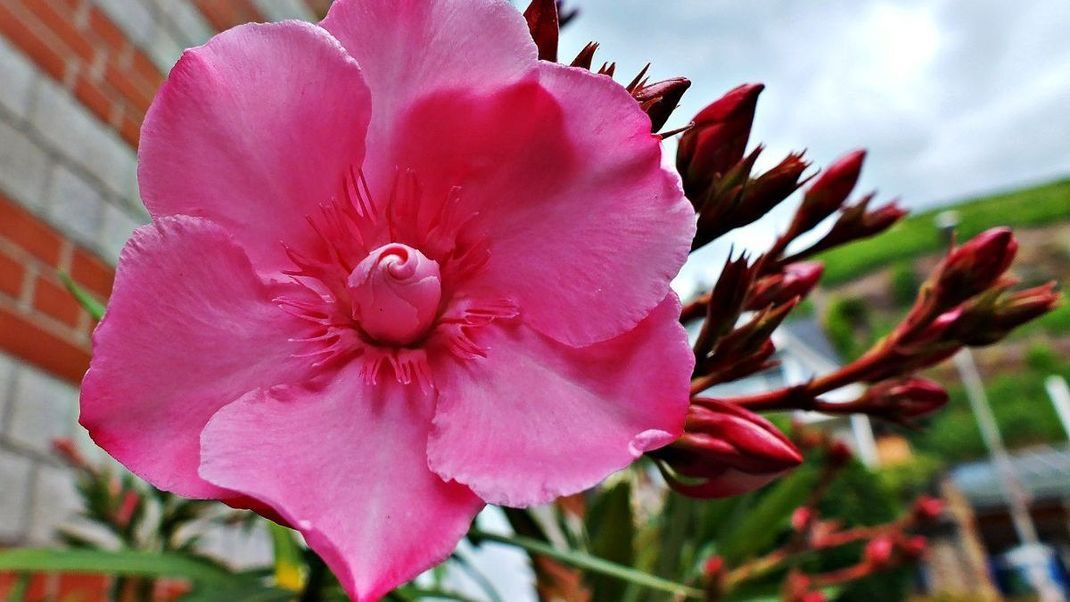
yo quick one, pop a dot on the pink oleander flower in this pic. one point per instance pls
(398, 268)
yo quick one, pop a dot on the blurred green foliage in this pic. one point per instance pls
(904, 284)
(917, 235)
(1024, 412)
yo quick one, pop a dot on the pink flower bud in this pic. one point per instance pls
(718, 140)
(731, 449)
(127, 506)
(797, 280)
(714, 567)
(927, 508)
(903, 400)
(395, 293)
(974, 266)
(880, 552)
(829, 192)
(801, 518)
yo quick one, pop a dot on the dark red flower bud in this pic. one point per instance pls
(903, 400)
(541, 16)
(829, 191)
(973, 267)
(991, 316)
(797, 280)
(858, 222)
(839, 454)
(927, 508)
(914, 548)
(880, 552)
(660, 99)
(718, 140)
(727, 450)
(763, 193)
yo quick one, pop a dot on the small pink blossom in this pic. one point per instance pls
(398, 268)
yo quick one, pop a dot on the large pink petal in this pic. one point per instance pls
(409, 49)
(537, 419)
(189, 328)
(254, 130)
(585, 227)
(345, 463)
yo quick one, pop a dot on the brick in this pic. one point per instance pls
(75, 206)
(12, 275)
(54, 501)
(14, 503)
(55, 301)
(87, 588)
(224, 15)
(24, 338)
(118, 226)
(130, 126)
(43, 408)
(92, 273)
(15, 27)
(55, 20)
(148, 72)
(18, 76)
(132, 88)
(23, 167)
(28, 232)
(94, 97)
(101, 25)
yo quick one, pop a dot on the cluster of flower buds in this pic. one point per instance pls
(725, 451)
(112, 501)
(658, 99)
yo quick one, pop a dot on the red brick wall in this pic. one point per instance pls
(39, 320)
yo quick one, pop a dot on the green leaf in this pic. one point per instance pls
(760, 526)
(611, 528)
(130, 563)
(290, 567)
(18, 590)
(590, 563)
(88, 301)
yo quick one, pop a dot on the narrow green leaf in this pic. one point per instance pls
(18, 591)
(88, 301)
(611, 529)
(766, 520)
(289, 566)
(132, 563)
(590, 563)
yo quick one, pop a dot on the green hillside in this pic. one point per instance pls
(917, 234)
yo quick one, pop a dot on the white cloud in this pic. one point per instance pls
(952, 97)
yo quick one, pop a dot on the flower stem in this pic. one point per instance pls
(590, 563)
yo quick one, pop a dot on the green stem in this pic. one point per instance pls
(590, 563)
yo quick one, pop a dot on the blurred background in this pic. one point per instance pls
(964, 105)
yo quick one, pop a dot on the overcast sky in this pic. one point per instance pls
(952, 97)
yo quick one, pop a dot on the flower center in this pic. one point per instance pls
(395, 293)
